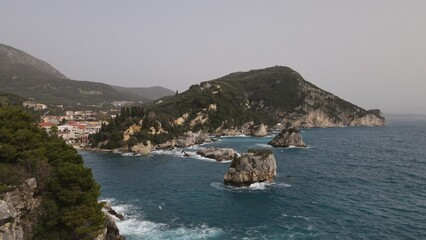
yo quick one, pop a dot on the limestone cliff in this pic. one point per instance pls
(249, 103)
(19, 211)
(269, 96)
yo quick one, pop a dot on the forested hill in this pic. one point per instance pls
(234, 104)
(30, 77)
(45, 191)
(272, 95)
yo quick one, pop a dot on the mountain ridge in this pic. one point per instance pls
(30, 77)
(279, 93)
(151, 93)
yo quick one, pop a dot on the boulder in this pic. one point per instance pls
(252, 167)
(202, 138)
(167, 145)
(219, 154)
(259, 130)
(141, 148)
(188, 139)
(288, 137)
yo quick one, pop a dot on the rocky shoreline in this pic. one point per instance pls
(111, 231)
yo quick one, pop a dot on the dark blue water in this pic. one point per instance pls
(350, 183)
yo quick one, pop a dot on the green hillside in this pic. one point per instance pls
(29, 77)
(235, 103)
(69, 207)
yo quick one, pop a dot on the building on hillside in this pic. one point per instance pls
(53, 119)
(121, 103)
(34, 105)
(46, 126)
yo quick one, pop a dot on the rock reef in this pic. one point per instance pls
(288, 137)
(252, 167)
(219, 154)
(111, 231)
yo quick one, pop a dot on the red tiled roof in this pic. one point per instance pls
(46, 124)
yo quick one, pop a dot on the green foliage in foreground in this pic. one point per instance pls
(69, 208)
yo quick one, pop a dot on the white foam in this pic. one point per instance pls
(263, 145)
(292, 147)
(236, 136)
(282, 185)
(122, 208)
(258, 186)
(130, 154)
(253, 187)
(303, 217)
(140, 228)
(187, 154)
(174, 152)
(109, 200)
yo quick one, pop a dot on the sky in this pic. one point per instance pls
(369, 52)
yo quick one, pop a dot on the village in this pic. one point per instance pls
(74, 127)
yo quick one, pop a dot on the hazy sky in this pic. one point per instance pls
(370, 52)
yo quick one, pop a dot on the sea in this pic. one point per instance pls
(349, 183)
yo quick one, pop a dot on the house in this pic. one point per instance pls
(34, 105)
(46, 126)
(121, 103)
(53, 119)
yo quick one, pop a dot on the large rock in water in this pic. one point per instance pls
(288, 137)
(142, 148)
(252, 167)
(259, 131)
(219, 154)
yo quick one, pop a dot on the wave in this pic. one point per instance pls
(139, 228)
(187, 154)
(130, 154)
(308, 219)
(134, 226)
(253, 187)
(263, 145)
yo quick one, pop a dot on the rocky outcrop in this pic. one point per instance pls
(219, 154)
(19, 211)
(288, 137)
(189, 139)
(131, 131)
(252, 167)
(143, 149)
(111, 231)
(369, 120)
(186, 140)
(259, 130)
(319, 118)
(167, 145)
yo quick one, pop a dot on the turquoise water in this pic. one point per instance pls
(350, 183)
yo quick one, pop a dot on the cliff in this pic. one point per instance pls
(19, 211)
(45, 190)
(249, 103)
(270, 96)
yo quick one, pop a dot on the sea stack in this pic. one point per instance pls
(252, 167)
(288, 137)
(219, 154)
